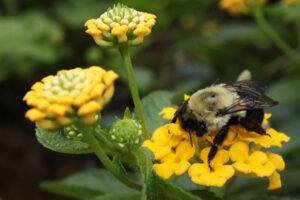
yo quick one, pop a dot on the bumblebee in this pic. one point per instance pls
(216, 107)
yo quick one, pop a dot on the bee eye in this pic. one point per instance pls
(213, 95)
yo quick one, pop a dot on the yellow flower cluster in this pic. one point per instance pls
(290, 1)
(241, 154)
(120, 24)
(70, 95)
(236, 7)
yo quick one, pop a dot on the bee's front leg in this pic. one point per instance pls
(218, 140)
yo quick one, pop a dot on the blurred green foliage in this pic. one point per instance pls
(193, 45)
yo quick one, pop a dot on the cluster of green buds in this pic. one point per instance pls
(73, 133)
(120, 24)
(126, 133)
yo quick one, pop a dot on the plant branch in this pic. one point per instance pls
(267, 28)
(100, 153)
(124, 50)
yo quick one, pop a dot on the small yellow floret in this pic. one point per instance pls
(35, 115)
(89, 108)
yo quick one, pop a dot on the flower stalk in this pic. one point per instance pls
(101, 155)
(267, 28)
(124, 50)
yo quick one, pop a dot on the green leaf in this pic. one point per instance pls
(156, 188)
(124, 195)
(152, 105)
(118, 164)
(144, 161)
(57, 141)
(86, 184)
(174, 192)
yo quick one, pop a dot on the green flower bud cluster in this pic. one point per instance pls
(126, 133)
(73, 133)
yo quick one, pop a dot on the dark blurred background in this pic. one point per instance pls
(193, 44)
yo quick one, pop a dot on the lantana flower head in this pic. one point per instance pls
(243, 153)
(120, 24)
(291, 1)
(237, 7)
(76, 94)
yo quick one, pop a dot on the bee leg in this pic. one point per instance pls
(253, 120)
(191, 139)
(174, 118)
(218, 140)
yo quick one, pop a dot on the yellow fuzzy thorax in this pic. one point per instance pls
(70, 95)
(240, 154)
(120, 24)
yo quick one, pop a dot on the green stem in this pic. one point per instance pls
(267, 28)
(91, 140)
(124, 50)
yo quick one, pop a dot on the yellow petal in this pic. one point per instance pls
(35, 115)
(220, 158)
(141, 31)
(274, 139)
(185, 150)
(97, 90)
(242, 167)
(81, 99)
(158, 151)
(37, 86)
(164, 170)
(198, 169)
(110, 77)
(57, 109)
(168, 113)
(267, 116)
(175, 129)
(47, 79)
(64, 100)
(277, 161)
(119, 30)
(96, 70)
(201, 174)
(239, 151)
(108, 94)
(186, 97)
(274, 181)
(42, 104)
(89, 108)
(260, 165)
(181, 168)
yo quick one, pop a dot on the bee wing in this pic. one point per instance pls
(250, 96)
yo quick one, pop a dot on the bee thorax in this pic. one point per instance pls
(214, 122)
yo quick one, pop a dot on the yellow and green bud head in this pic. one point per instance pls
(238, 7)
(126, 133)
(70, 95)
(120, 24)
